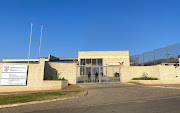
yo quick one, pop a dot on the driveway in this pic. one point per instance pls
(107, 98)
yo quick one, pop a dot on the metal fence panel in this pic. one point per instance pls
(164, 56)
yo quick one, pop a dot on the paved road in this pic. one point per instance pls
(107, 98)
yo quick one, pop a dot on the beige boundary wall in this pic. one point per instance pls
(35, 79)
(66, 70)
(169, 74)
(129, 72)
(165, 74)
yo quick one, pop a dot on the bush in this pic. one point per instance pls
(62, 78)
(145, 78)
(55, 79)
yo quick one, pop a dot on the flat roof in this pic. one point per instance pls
(105, 51)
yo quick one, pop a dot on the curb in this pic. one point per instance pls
(43, 101)
(166, 87)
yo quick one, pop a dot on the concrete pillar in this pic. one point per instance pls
(41, 67)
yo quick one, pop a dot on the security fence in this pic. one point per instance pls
(164, 56)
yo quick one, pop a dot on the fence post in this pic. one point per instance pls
(134, 60)
(99, 74)
(106, 73)
(143, 59)
(119, 74)
(113, 74)
(154, 58)
(167, 55)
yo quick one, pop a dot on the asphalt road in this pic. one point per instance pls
(107, 98)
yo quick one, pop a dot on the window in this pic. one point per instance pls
(99, 62)
(88, 70)
(82, 70)
(94, 62)
(82, 61)
(88, 61)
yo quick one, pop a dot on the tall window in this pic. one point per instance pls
(99, 61)
(94, 62)
(89, 65)
(82, 61)
(88, 61)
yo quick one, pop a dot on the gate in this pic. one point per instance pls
(97, 74)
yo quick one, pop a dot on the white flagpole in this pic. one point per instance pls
(30, 43)
(40, 41)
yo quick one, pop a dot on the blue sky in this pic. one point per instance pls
(87, 25)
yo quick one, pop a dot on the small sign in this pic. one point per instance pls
(14, 68)
(14, 75)
(13, 82)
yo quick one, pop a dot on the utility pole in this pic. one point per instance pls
(30, 43)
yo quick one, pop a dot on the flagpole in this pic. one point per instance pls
(40, 41)
(30, 43)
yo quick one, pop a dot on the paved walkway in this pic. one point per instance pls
(109, 98)
(94, 86)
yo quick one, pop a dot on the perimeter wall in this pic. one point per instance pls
(34, 79)
(165, 74)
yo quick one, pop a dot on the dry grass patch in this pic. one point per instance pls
(22, 98)
(73, 86)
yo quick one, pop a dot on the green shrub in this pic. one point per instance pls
(48, 78)
(145, 78)
(63, 78)
(59, 79)
(55, 78)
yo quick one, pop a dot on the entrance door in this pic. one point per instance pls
(110, 74)
(98, 74)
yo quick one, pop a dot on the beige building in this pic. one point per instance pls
(101, 66)
(104, 58)
(89, 67)
(105, 63)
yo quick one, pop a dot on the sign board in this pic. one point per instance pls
(13, 82)
(14, 75)
(14, 68)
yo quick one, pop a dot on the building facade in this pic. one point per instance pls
(101, 66)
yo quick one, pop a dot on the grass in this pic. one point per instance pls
(73, 86)
(22, 98)
(145, 78)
